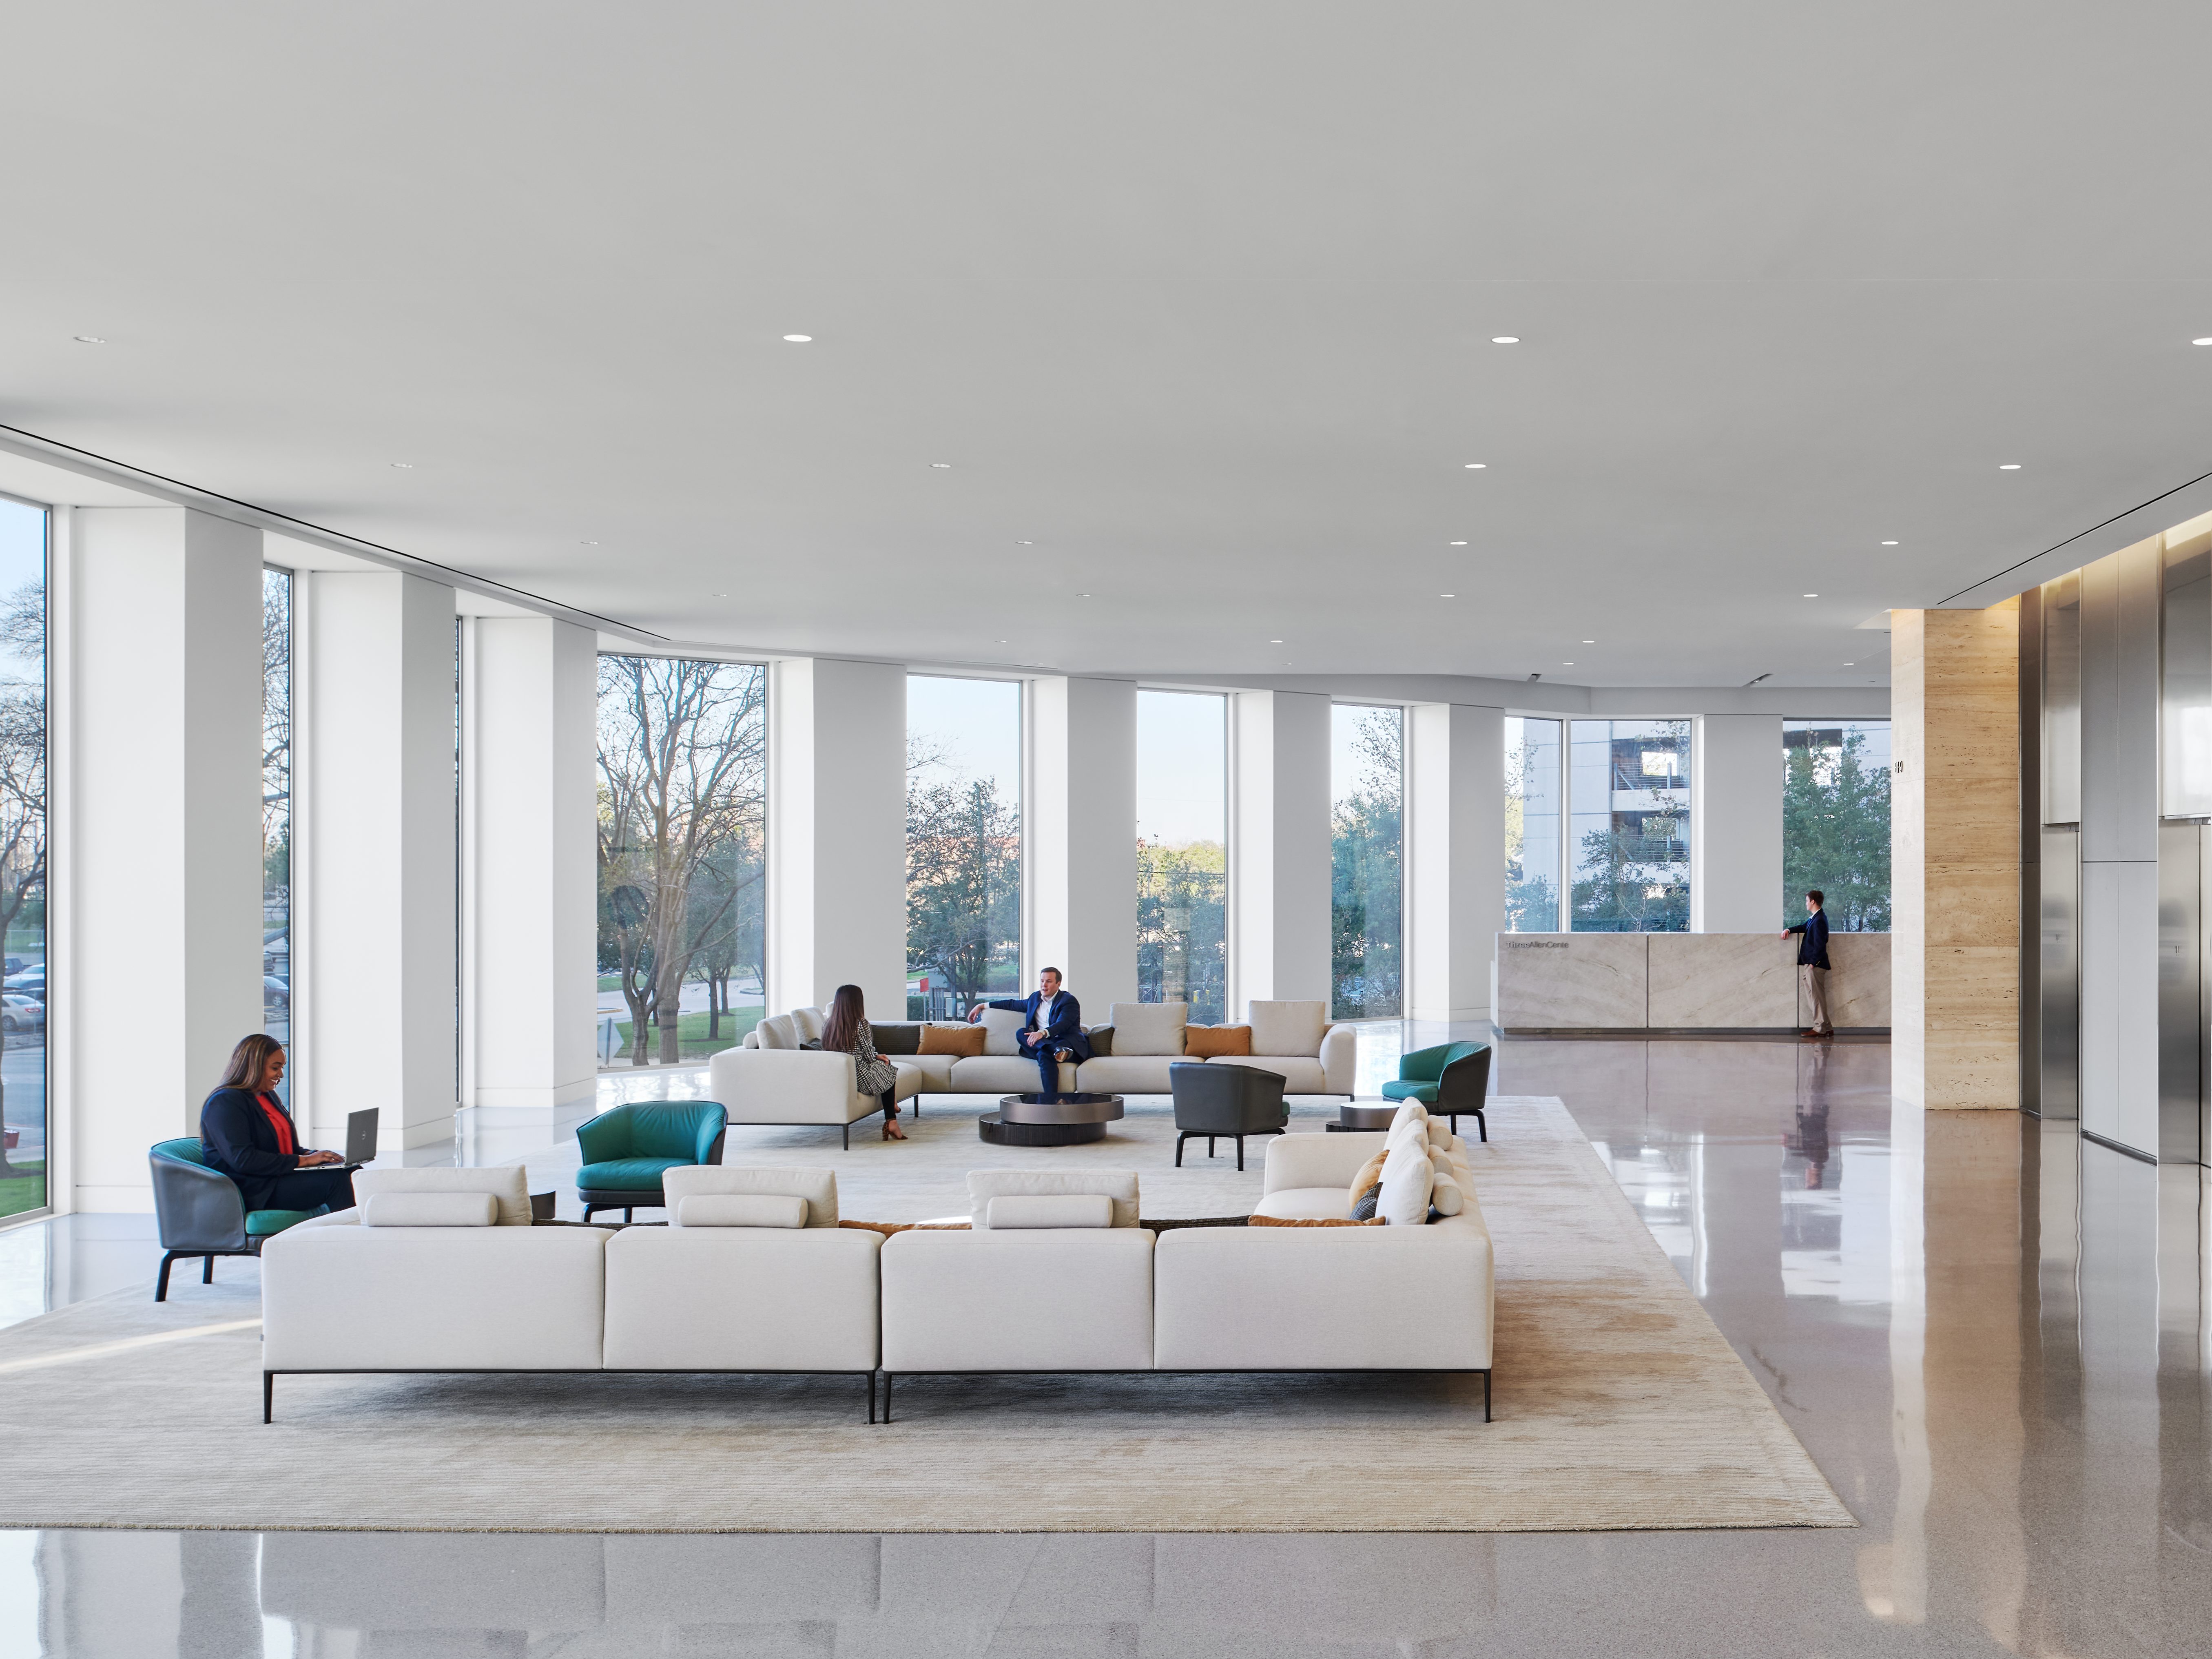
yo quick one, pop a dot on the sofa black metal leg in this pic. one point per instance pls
(1482, 1126)
(1240, 1154)
(268, 1396)
(161, 1283)
(206, 1270)
(1209, 1146)
(887, 1396)
(1485, 1396)
(848, 1133)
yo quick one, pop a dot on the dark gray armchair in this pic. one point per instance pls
(1227, 1103)
(199, 1212)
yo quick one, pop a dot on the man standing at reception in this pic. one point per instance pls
(1054, 1030)
(1813, 963)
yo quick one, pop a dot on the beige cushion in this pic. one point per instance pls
(1119, 1185)
(818, 1186)
(1050, 1210)
(1300, 1076)
(1411, 1111)
(1002, 1030)
(1003, 1074)
(1149, 1028)
(1287, 1028)
(777, 1032)
(809, 1022)
(1440, 1134)
(505, 1182)
(1305, 1204)
(1408, 1132)
(430, 1209)
(741, 1210)
(1408, 1176)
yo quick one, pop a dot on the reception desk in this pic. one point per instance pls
(1715, 982)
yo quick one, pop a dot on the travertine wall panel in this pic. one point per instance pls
(1954, 831)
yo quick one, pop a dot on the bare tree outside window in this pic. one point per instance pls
(277, 807)
(681, 848)
(23, 858)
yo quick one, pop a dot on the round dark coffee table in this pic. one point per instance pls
(1357, 1120)
(1060, 1119)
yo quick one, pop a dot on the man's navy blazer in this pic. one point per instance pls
(1066, 1027)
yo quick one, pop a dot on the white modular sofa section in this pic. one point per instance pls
(797, 1087)
(433, 1273)
(1325, 1299)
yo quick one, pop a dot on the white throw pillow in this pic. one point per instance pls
(1119, 1185)
(1411, 1111)
(1412, 1133)
(818, 1186)
(1282, 1029)
(777, 1032)
(1150, 1028)
(507, 1183)
(1049, 1210)
(430, 1209)
(809, 1023)
(741, 1210)
(1407, 1179)
(1445, 1196)
(1002, 1031)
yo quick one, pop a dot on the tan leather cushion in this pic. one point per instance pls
(1215, 1041)
(1371, 1175)
(965, 1041)
(1305, 1221)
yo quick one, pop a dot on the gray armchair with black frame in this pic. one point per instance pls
(1226, 1103)
(199, 1212)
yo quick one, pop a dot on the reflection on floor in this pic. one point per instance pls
(1992, 1336)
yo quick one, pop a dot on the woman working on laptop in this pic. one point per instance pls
(245, 1132)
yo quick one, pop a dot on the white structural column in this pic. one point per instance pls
(1079, 863)
(836, 839)
(161, 867)
(530, 709)
(377, 840)
(1735, 824)
(2120, 596)
(1455, 857)
(1279, 853)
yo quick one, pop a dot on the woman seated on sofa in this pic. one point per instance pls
(245, 1132)
(846, 1030)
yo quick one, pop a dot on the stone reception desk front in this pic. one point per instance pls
(1682, 982)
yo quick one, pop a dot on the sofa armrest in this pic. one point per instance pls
(1309, 1160)
(787, 1085)
(1340, 1057)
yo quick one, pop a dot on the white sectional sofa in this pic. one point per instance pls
(440, 1270)
(771, 1079)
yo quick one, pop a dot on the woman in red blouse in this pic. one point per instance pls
(245, 1132)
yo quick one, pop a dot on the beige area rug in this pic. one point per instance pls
(1618, 1404)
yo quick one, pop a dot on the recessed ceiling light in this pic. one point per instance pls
(1590, 641)
(1476, 466)
(798, 339)
(1812, 596)
(404, 466)
(1505, 339)
(1447, 596)
(1459, 543)
(2204, 339)
(587, 543)
(717, 596)
(1850, 665)
(1024, 543)
(1566, 665)
(1274, 641)
(2007, 466)
(941, 466)
(1889, 543)
(88, 339)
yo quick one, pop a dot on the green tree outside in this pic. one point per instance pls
(1835, 832)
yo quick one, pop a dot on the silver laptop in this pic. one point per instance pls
(361, 1137)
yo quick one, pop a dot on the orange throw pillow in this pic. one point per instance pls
(1209, 1042)
(965, 1041)
(1285, 1221)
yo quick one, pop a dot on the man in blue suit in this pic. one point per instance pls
(1052, 1030)
(1813, 963)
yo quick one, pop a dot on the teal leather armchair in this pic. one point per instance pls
(626, 1150)
(199, 1212)
(1451, 1079)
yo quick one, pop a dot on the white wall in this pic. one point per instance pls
(836, 844)
(1455, 857)
(375, 844)
(1278, 852)
(1079, 853)
(162, 869)
(1735, 824)
(529, 926)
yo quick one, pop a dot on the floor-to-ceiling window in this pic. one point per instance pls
(1534, 781)
(1183, 850)
(1367, 816)
(1835, 820)
(683, 862)
(277, 807)
(964, 843)
(1629, 784)
(23, 857)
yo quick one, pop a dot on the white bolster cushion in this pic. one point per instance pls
(741, 1210)
(1445, 1196)
(430, 1209)
(1055, 1210)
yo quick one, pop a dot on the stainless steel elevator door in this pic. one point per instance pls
(2181, 947)
(2061, 983)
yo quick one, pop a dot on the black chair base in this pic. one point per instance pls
(207, 1270)
(1201, 1134)
(608, 1198)
(1481, 1123)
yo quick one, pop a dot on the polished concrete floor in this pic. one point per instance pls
(1992, 1336)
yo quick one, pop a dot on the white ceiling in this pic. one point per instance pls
(1196, 300)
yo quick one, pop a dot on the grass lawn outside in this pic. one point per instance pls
(25, 1190)
(692, 1041)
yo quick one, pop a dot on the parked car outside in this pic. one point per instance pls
(21, 1013)
(31, 981)
(275, 994)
